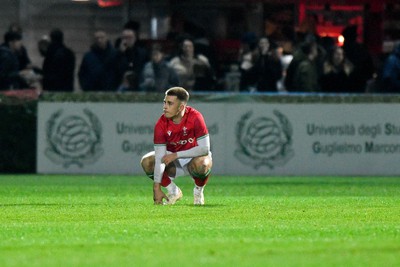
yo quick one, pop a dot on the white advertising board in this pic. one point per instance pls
(246, 138)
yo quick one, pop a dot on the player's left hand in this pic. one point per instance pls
(167, 159)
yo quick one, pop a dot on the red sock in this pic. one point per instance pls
(201, 181)
(165, 181)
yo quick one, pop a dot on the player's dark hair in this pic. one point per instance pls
(179, 92)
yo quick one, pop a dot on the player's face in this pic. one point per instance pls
(172, 106)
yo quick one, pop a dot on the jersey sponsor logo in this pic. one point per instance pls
(264, 141)
(182, 142)
(74, 139)
(169, 133)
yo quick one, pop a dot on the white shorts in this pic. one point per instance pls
(181, 165)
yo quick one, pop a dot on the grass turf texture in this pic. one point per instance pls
(247, 221)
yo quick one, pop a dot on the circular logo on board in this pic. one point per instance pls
(264, 141)
(74, 139)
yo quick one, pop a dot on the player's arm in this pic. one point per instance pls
(202, 149)
(159, 167)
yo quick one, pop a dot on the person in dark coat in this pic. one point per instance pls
(267, 66)
(306, 75)
(247, 52)
(9, 66)
(97, 71)
(22, 54)
(358, 54)
(391, 72)
(131, 57)
(58, 65)
(337, 72)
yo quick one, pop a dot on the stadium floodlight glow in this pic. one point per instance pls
(340, 40)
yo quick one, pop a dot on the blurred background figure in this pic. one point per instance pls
(305, 78)
(9, 66)
(194, 70)
(267, 65)
(97, 71)
(128, 82)
(337, 72)
(58, 65)
(359, 55)
(22, 54)
(247, 53)
(157, 75)
(232, 79)
(300, 56)
(391, 72)
(131, 55)
(285, 59)
(12, 76)
(43, 45)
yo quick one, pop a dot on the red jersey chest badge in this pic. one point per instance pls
(184, 129)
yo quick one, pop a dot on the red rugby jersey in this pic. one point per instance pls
(182, 136)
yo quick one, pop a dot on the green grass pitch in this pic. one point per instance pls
(60, 220)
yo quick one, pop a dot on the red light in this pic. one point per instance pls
(109, 3)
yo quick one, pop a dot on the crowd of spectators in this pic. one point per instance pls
(129, 65)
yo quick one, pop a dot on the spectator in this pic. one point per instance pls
(12, 76)
(43, 45)
(306, 75)
(268, 67)
(22, 54)
(299, 56)
(361, 59)
(134, 26)
(9, 66)
(247, 53)
(391, 72)
(28, 77)
(202, 45)
(58, 65)
(130, 57)
(128, 82)
(97, 71)
(194, 71)
(232, 79)
(157, 75)
(337, 72)
(285, 59)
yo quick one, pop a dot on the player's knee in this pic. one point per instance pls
(200, 167)
(147, 163)
(171, 170)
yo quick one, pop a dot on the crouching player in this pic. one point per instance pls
(181, 147)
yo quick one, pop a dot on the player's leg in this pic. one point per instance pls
(174, 192)
(147, 162)
(200, 168)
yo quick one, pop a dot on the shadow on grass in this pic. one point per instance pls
(205, 206)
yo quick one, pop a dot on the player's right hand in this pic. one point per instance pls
(158, 194)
